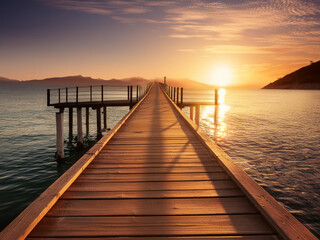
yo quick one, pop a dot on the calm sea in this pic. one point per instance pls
(274, 135)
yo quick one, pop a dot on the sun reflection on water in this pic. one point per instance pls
(213, 118)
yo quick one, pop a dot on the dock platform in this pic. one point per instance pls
(155, 175)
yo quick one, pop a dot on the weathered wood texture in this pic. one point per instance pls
(155, 179)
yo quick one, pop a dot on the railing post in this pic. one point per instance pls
(70, 120)
(177, 95)
(181, 101)
(77, 95)
(216, 97)
(90, 93)
(137, 98)
(66, 95)
(198, 114)
(48, 97)
(59, 96)
(102, 93)
(174, 94)
(131, 97)
(128, 88)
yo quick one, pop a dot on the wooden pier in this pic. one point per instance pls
(155, 175)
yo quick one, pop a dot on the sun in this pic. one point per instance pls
(221, 76)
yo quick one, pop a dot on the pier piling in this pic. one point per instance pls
(70, 120)
(191, 113)
(60, 136)
(99, 131)
(79, 128)
(197, 114)
(87, 120)
(104, 117)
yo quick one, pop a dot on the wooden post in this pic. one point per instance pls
(181, 101)
(177, 96)
(79, 127)
(60, 136)
(102, 93)
(131, 105)
(66, 94)
(87, 120)
(105, 117)
(70, 120)
(174, 94)
(99, 132)
(137, 96)
(216, 97)
(77, 95)
(171, 92)
(198, 114)
(90, 93)
(48, 97)
(59, 95)
(191, 113)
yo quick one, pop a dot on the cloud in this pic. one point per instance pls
(225, 27)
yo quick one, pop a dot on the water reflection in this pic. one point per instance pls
(213, 118)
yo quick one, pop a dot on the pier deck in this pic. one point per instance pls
(156, 178)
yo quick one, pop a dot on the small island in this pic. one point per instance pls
(307, 77)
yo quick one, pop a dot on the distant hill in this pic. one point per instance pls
(305, 78)
(7, 80)
(71, 81)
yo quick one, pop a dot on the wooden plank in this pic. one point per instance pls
(151, 226)
(97, 164)
(163, 177)
(254, 237)
(152, 186)
(156, 170)
(234, 192)
(141, 207)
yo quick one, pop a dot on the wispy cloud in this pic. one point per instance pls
(226, 27)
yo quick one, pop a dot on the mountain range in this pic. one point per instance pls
(307, 77)
(71, 81)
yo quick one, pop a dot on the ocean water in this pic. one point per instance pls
(274, 135)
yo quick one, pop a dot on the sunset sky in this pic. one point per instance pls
(250, 42)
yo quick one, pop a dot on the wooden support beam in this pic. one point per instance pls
(131, 102)
(87, 120)
(216, 97)
(99, 131)
(191, 113)
(70, 120)
(181, 101)
(60, 136)
(177, 95)
(137, 94)
(174, 94)
(48, 97)
(79, 128)
(197, 114)
(104, 117)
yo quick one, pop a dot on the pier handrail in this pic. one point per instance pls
(190, 97)
(23, 224)
(280, 219)
(95, 94)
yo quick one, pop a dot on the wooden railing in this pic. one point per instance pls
(90, 94)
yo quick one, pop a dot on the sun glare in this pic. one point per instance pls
(221, 76)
